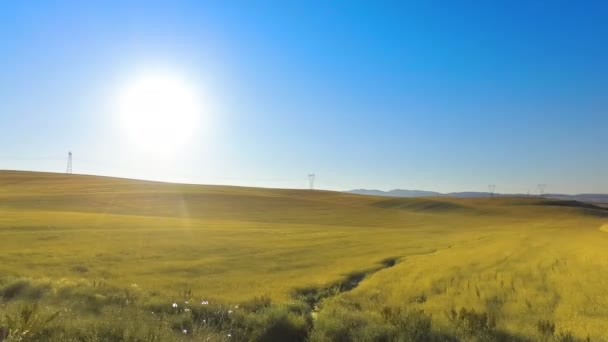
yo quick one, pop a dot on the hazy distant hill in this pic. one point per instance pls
(396, 193)
(417, 193)
(596, 198)
(467, 194)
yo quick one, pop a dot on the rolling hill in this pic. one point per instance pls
(321, 260)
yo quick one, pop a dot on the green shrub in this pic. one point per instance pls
(337, 324)
(14, 289)
(298, 308)
(27, 323)
(257, 304)
(125, 324)
(22, 289)
(276, 324)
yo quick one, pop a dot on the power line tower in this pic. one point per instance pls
(541, 189)
(491, 187)
(69, 168)
(311, 181)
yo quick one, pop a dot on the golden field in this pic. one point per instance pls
(519, 261)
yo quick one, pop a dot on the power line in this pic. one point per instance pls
(69, 168)
(491, 187)
(311, 181)
(13, 158)
(541, 189)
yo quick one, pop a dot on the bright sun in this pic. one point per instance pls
(159, 111)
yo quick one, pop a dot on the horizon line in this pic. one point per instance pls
(351, 191)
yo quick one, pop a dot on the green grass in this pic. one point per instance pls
(470, 269)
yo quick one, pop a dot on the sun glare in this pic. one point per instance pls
(159, 112)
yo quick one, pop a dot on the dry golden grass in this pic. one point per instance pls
(519, 259)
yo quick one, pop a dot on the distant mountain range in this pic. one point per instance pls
(596, 198)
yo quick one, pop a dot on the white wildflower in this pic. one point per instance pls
(229, 311)
(186, 310)
(229, 335)
(205, 302)
(186, 302)
(185, 331)
(174, 305)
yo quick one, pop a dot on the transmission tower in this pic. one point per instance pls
(311, 181)
(491, 187)
(541, 189)
(69, 168)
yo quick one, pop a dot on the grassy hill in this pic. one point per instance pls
(333, 265)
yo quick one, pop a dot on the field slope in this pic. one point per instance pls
(519, 261)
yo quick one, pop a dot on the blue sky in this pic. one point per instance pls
(446, 95)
